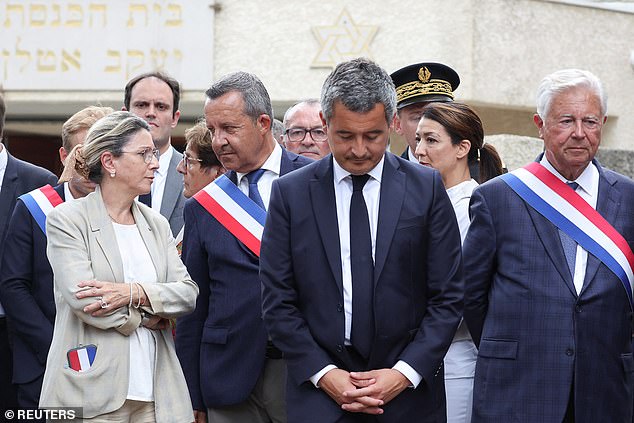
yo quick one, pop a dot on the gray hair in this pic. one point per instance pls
(563, 80)
(82, 120)
(256, 99)
(359, 84)
(308, 102)
(108, 134)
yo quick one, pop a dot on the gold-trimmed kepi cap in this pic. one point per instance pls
(424, 82)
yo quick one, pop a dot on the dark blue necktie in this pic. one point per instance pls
(254, 194)
(569, 244)
(146, 199)
(362, 268)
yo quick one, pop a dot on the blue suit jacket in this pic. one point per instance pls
(19, 177)
(222, 344)
(417, 295)
(26, 292)
(537, 337)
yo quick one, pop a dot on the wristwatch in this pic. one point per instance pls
(145, 318)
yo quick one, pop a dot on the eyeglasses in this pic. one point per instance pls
(147, 154)
(187, 160)
(298, 134)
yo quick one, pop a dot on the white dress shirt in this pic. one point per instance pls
(588, 190)
(460, 195)
(272, 167)
(343, 196)
(4, 159)
(160, 176)
(410, 155)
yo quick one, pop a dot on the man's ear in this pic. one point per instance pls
(396, 125)
(540, 124)
(264, 121)
(175, 118)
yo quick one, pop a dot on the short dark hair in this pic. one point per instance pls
(359, 84)
(3, 109)
(171, 82)
(256, 98)
(199, 137)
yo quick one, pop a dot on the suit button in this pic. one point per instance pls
(339, 307)
(569, 352)
(339, 348)
(578, 308)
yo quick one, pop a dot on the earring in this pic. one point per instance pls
(112, 174)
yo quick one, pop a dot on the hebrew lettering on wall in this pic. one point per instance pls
(88, 42)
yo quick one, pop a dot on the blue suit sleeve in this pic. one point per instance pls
(189, 328)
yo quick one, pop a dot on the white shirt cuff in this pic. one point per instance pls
(317, 376)
(412, 375)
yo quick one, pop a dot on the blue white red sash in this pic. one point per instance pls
(235, 211)
(561, 205)
(40, 202)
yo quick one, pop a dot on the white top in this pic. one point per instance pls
(160, 176)
(343, 196)
(138, 267)
(68, 196)
(588, 190)
(410, 155)
(460, 195)
(4, 158)
(272, 166)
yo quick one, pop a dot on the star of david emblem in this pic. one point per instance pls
(342, 41)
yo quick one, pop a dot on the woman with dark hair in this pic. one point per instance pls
(450, 138)
(117, 282)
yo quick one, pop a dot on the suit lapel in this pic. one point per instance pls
(390, 203)
(608, 201)
(322, 195)
(173, 186)
(104, 233)
(7, 193)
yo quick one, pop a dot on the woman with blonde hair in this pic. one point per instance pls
(117, 282)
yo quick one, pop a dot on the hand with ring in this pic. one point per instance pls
(107, 296)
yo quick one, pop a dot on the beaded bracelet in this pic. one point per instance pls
(138, 291)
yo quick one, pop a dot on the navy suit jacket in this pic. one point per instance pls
(221, 345)
(537, 338)
(26, 292)
(418, 287)
(19, 177)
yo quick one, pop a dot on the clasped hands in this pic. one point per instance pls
(363, 392)
(111, 296)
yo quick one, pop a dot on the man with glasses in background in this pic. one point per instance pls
(305, 134)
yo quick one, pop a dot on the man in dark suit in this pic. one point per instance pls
(361, 268)
(155, 97)
(26, 278)
(233, 372)
(416, 86)
(16, 178)
(552, 319)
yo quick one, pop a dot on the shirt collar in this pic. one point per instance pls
(340, 173)
(273, 163)
(587, 180)
(164, 161)
(4, 158)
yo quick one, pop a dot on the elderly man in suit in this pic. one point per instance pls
(154, 96)
(233, 372)
(26, 277)
(16, 178)
(361, 266)
(548, 266)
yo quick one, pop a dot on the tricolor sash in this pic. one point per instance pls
(40, 202)
(234, 210)
(562, 206)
